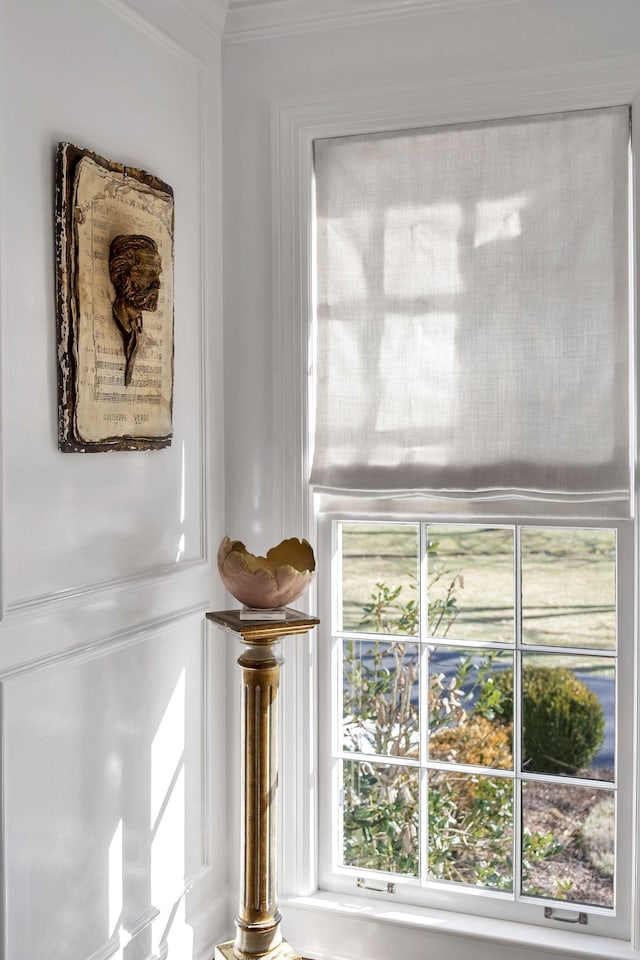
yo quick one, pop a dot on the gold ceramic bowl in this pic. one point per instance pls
(272, 581)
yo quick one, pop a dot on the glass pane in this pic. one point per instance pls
(380, 817)
(471, 829)
(380, 697)
(568, 712)
(569, 587)
(568, 843)
(379, 577)
(470, 583)
(467, 718)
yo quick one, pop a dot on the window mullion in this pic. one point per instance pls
(337, 692)
(423, 814)
(336, 578)
(517, 717)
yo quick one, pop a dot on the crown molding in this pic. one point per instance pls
(210, 15)
(261, 19)
(165, 15)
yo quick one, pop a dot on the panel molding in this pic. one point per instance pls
(3, 831)
(3, 312)
(200, 880)
(260, 19)
(141, 922)
(209, 14)
(103, 646)
(206, 694)
(109, 949)
(36, 605)
(144, 25)
(213, 913)
(210, 924)
(202, 313)
(209, 912)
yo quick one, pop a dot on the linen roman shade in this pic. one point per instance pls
(471, 336)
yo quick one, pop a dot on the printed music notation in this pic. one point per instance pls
(113, 380)
(114, 396)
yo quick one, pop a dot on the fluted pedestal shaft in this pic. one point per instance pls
(258, 920)
(258, 931)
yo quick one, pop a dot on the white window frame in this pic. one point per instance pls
(474, 901)
(295, 126)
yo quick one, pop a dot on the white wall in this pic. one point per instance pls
(113, 711)
(290, 61)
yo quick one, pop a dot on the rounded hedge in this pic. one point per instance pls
(563, 721)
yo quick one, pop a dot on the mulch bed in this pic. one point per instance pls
(562, 811)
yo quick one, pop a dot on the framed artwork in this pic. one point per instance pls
(114, 277)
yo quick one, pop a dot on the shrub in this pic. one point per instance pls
(563, 722)
(470, 829)
(597, 835)
(478, 742)
(381, 817)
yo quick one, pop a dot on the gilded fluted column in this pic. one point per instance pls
(258, 920)
(258, 933)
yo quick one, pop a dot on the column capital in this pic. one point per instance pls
(263, 631)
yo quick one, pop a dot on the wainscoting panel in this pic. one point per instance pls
(105, 765)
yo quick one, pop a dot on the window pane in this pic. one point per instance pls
(471, 829)
(568, 711)
(380, 817)
(379, 578)
(396, 811)
(467, 719)
(380, 697)
(470, 583)
(569, 587)
(568, 843)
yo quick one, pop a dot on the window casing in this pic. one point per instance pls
(306, 739)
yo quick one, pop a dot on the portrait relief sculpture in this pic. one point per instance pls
(115, 305)
(134, 270)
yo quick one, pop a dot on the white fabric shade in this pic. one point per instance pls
(472, 327)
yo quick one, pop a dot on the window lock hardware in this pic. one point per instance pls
(549, 914)
(387, 888)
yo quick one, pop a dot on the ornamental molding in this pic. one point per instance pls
(161, 19)
(210, 15)
(260, 19)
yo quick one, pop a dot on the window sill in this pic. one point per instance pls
(330, 925)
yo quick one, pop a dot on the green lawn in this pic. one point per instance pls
(568, 580)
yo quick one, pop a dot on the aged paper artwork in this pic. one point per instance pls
(114, 252)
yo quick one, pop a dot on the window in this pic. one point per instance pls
(474, 744)
(471, 474)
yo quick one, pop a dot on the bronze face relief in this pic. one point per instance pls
(134, 270)
(114, 317)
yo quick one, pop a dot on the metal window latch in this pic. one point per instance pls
(550, 914)
(387, 888)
